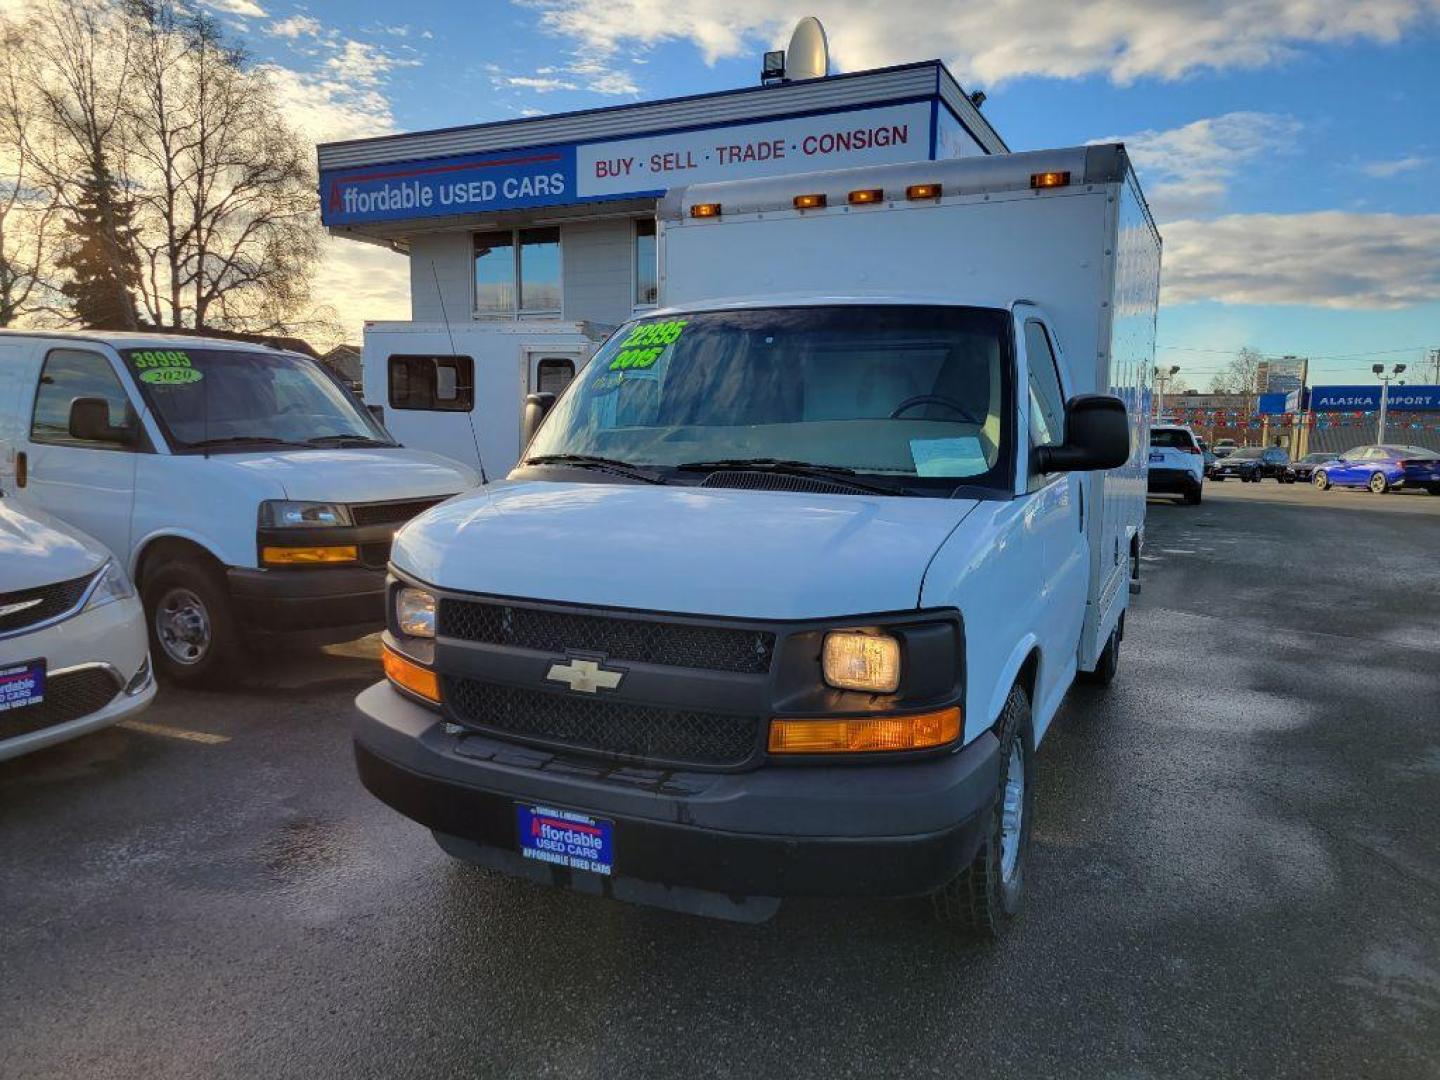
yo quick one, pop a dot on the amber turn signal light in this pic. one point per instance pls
(1049, 179)
(922, 191)
(809, 202)
(309, 556)
(408, 675)
(705, 209)
(865, 734)
(866, 196)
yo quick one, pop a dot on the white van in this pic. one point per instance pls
(788, 588)
(245, 490)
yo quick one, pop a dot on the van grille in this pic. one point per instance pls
(708, 648)
(391, 513)
(68, 696)
(616, 729)
(53, 600)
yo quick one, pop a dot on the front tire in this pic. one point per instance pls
(984, 899)
(1321, 481)
(193, 635)
(1378, 484)
(1193, 495)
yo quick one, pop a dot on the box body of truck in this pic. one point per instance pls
(460, 390)
(1080, 244)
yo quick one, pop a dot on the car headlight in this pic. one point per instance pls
(288, 514)
(415, 612)
(856, 661)
(114, 584)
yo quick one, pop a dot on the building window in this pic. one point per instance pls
(517, 273)
(434, 383)
(553, 374)
(647, 265)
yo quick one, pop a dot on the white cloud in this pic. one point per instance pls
(1006, 38)
(324, 109)
(1383, 170)
(295, 27)
(539, 84)
(361, 281)
(1330, 259)
(1187, 170)
(361, 64)
(245, 8)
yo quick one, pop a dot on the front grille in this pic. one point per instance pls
(68, 696)
(391, 513)
(53, 600)
(642, 733)
(375, 556)
(709, 648)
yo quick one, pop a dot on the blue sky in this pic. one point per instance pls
(1290, 148)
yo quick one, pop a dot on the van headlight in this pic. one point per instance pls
(860, 661)
(289, 514)
(414, 612)
(113, 584)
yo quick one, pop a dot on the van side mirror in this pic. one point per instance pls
(90, 422)
(1097, 436)
(536, 408)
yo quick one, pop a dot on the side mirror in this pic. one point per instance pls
(536, 408)
(90, 422)
(1097, 436)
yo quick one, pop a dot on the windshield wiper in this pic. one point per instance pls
(591, 461)
(343, 439)
(245, 440)
(785, 466)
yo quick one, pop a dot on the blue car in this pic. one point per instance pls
(1382, 469)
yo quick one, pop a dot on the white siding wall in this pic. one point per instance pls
(599, 283)
(445, 256)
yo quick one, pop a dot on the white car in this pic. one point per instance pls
(1177, 463)
(73, 654)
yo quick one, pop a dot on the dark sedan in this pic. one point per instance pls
(1251, 464)
(1304, 469)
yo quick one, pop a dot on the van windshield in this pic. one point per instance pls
(231, 399)
(912, 396)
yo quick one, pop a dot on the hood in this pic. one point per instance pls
(36, 549)
(356, 475)
(745, 554)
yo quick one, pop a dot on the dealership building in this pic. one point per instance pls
(553, 217)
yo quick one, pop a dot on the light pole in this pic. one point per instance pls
(1162, 379)
(1379, 370)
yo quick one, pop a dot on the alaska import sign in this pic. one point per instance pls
(645, 165)
(1367, 399)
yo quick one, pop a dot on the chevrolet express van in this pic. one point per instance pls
(244, 490)
(787, 588)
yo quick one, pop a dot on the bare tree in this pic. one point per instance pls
(228, 220)
(28, 208)
(1241, 375)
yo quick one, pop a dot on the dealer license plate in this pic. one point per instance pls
(1155, 456)
(22, 684)
(566, 838)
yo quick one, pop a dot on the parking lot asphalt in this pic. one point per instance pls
(1236, 871)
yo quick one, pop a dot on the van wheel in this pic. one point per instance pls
(193, 636)
(1321, 481)
(1378, 484)
(984, 898)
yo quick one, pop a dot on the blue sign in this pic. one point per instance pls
(565, 838)
(1367, 398)
(473, 184)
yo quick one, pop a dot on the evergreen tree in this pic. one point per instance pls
(101, 261)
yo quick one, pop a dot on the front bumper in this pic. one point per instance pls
(311, 606)
(897, 829)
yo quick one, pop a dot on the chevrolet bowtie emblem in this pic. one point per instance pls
(586, 676)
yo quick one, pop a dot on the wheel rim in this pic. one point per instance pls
(182, 626)
(1012, 813)
(1318, 480)
(1377, 483)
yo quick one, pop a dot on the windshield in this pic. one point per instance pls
(1171, 438)
(1316, 458)
(228, 398)
(1248, 452)
(906, 394)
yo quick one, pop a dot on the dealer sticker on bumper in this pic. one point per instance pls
(22, 684)
(565, 838)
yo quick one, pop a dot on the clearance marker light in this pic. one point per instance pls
(867, 195)
(809, 202)
(705, 209)
(1049, 179)
(922, 191)
(309, 556)
(408, 675)
(836, 735)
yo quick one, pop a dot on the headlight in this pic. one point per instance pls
(415, 612)
(285, 514)
(855, 661)
(114, 584)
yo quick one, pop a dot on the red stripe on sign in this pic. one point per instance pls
(571, 825)
(401, 174)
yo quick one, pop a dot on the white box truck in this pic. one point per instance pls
(793, 577)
